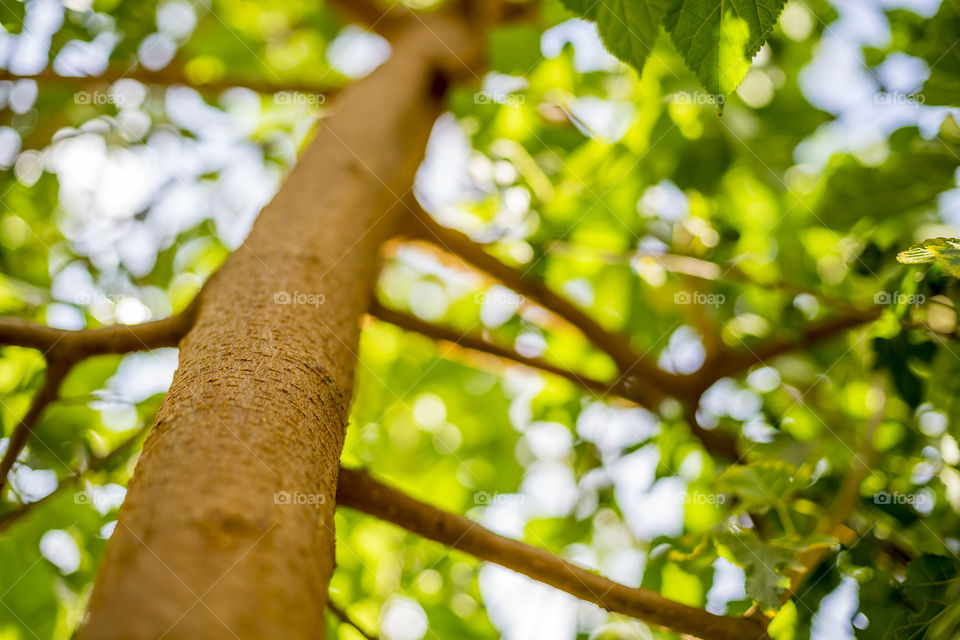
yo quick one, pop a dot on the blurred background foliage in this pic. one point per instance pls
(122, 194)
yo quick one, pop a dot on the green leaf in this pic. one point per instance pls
(909, 180)
(718, 38)
(761, 484)
(628, 28)
(762, 564)
(944, 251)
(936, 45)
(931, 586)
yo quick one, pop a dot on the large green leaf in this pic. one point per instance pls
(909, 180)
(932, 586)
(718, 38)
(628, 27)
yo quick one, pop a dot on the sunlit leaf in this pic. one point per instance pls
(944, 251)
(718, 38)
(763, 564)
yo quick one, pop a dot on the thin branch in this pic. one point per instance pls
(382, 20)
(96, 463)
(344, 618)
(704, 270)
(56, 372)
(726, 361)
(476, 343)
(359, 491)
(615, 345)
(63, 348)
(168, 76)
(716, 442)
(730, 362)
(73, 345)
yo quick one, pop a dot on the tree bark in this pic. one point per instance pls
(211, 542)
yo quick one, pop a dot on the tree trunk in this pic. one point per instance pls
(211, 541)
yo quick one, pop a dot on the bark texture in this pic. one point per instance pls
(206, 546)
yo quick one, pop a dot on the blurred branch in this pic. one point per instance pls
(716, 442)
(63, 348)
(357, 490)
(724, 361)
(73, 345)
(344, 618)
(56, 372)
(170, 75)
(96, 463)
(385, 21)
(615, 345)
(704, 270)
(730, 362)
(476, 343)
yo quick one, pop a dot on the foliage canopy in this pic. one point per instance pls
(705, 239)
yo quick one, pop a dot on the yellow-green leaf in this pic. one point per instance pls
(945, 251)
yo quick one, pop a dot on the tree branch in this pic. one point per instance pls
(56, 372)
(96, 463)
(384, 21)
(612, 343)
(63, 348)
(476, 343)
(70, 345)
(703, 270)
(731, 362)
(727, 361)
(359, 491)
(716, 442)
